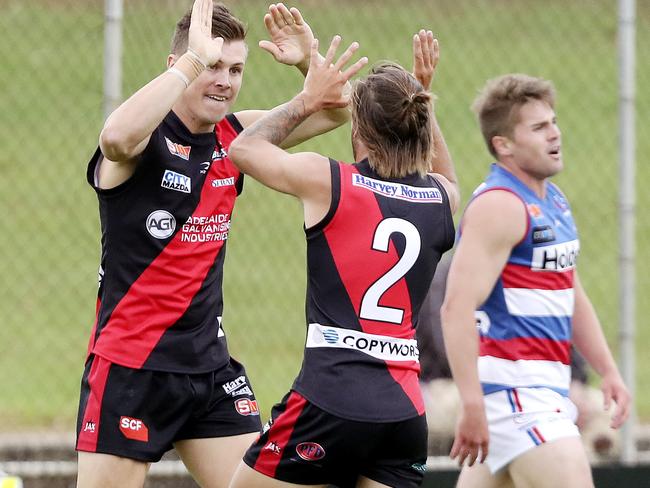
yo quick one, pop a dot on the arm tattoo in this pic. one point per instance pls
(279, 122)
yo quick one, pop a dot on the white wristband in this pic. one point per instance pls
(180, 75)
(193, 53)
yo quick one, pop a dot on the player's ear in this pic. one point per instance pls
(171, 59)
(502, 145)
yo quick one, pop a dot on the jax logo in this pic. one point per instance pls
(161, 224)
(273, 447)
(182, 152)
(310, 451)
(331, 336)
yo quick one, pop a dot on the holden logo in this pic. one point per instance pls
(310, 451)
(161, 224)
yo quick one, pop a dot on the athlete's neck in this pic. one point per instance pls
(191, 121)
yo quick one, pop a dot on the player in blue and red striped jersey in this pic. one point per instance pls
(158, 373)
(375, 232)
(515, 265)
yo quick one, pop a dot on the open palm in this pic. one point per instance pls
(291, 36)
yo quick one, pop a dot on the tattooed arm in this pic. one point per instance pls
(256, 153)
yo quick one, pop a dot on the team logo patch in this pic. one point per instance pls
(246, 406)
(176, 149)
(134, 429)
(561, 203)
(543, 233)
(534, 211)
(310, 451)
(176, 181)
(161, 224)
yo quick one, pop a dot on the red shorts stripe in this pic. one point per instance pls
(538, 433)
(527, 348)
(515, 395)
(518, 276)
(279, 435)
(89, 431)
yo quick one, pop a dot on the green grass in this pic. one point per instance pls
(51, 113)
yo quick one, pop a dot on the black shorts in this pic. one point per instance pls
(303, 444)
(139, 414)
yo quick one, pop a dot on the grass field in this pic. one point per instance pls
(51, 112)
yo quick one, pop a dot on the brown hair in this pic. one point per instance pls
(224, 24)
(392, 115)
(498, 104)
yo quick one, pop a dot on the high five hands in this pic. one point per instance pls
(291, 36)
(200, 42)
(326, 82)
(426, 53)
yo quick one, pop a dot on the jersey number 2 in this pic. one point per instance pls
(370, 308)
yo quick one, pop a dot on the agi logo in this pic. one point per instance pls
(161, 224)
(134, 429)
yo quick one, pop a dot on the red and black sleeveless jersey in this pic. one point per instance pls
(164, 235)
(370, 263)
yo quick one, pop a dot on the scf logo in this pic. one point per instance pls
(161, 224)
(134, 429)
(246, 406)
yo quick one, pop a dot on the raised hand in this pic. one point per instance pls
(291, 36)
(200, 42)
(326, 82)
(426, 53)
